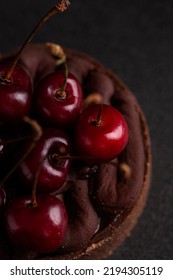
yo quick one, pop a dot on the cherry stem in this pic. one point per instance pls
(57, 51)
(17, 139)
(37, 133)
(34, 188)
(70, 157)
(62, 90)
(61, 94)
(59, 8)
(98, 121)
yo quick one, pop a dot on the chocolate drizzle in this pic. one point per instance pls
(98, 200)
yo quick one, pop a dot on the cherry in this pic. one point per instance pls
(58, 104)
(39, 228)
(46, 159)
(101, 133)
(15, 94)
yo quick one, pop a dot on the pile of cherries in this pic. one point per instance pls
(64, 131)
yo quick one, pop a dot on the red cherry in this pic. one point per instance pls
(100, 134)
(15, 95)
(55, 106)
(44, 156)
(38, 228)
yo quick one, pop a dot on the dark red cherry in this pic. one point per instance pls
(43, 159)
(57, 107)
(2, 197)
(39, 228)
(15, 94)
(100, 134)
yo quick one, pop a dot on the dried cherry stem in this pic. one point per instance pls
(37, 133)
(59, 8)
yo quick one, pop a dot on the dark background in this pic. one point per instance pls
(135, 39)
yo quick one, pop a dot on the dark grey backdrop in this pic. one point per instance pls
(135, 39)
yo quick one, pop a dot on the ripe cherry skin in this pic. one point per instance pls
(52, 172)
(53, 109)
(100, 139)
(15, 96)
(41, 228)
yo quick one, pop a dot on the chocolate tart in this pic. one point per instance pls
(103, 202)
